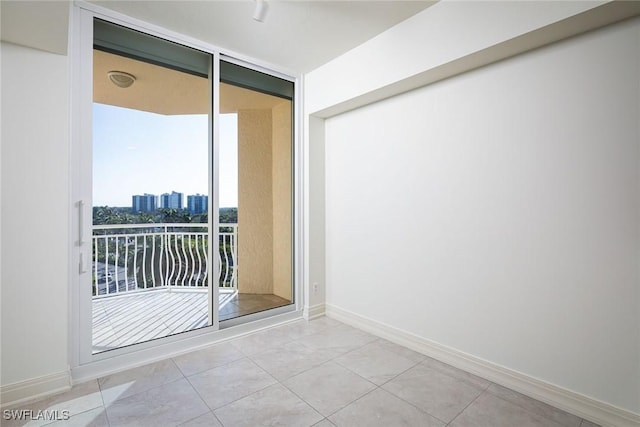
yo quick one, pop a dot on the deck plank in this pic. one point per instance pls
(132, 318)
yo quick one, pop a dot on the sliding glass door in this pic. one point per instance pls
(176, 243)
(151, 114)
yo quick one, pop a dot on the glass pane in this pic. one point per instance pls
(150, 201)
(260, 127)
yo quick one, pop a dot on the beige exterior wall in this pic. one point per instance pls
(282, 196)
(265, 201)
(255, 202)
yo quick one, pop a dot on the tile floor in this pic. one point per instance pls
(319, 373)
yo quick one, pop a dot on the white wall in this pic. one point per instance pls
(48, 24)
(315, 210)
(497, 213)
(419, 49)
(35, 213)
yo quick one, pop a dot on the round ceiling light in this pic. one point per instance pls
(121, 79)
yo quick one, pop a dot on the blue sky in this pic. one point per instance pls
(135, 152)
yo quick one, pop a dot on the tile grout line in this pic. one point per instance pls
(470, 403)
(342, 407)
(306, 403)
(419, 409)
(239, 398)
(216, 417)
(79, 413)
(281, 383)
(198, 416)
(534, 413)
(454, 377)
(104, 404)
(207, 369)
(313, 367)
(148, 389)
(378, 385)
(355, 400)
(145, 390)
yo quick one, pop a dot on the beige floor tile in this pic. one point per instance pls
(273, 406)
(586, 423)
(260, 341)
(375, 363)
(136, 380)
(208, 358)
(93, 418)
(535, 406)
(205, 420)
(456, 373)
(490, 410)
(290, 359)
(167, 405)
(303, 328)
(325, 322)
(225, 384)
(329, 387)
(81, 398)
(338, 340)
(383, 409)
(324, 423)
(414, 356)
(438, 394)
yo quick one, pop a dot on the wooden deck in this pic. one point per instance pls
(137, 317)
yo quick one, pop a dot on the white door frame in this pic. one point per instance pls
(84, 364)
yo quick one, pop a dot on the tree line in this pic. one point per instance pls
(124, 215)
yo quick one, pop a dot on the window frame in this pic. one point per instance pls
(83, 364)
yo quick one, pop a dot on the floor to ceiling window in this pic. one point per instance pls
(157, 202)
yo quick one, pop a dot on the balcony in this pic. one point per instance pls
(151, 280)
(138, 257)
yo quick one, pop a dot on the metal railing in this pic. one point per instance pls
(135, 257)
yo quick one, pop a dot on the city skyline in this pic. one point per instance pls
(148, 202)
(137, 152)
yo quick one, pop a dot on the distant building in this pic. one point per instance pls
(171, 201)
(197, 204)
(144, 203)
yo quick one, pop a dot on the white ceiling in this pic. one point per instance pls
(296, 35)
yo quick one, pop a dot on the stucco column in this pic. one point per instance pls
(255, 202)
(282, 197)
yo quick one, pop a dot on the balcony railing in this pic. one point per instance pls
(136, 257)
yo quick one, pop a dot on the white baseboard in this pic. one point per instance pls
(34, 389)
(575, 403)
(311, 312)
